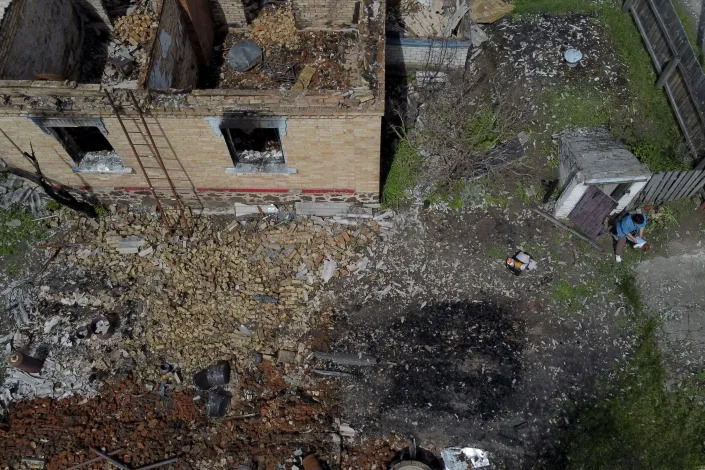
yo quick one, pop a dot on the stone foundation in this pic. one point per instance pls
(221, 201)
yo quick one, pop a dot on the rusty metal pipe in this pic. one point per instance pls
(311, 462)
(159, 464)
(111, 460)
(29, 364)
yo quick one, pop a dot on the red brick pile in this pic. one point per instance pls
(266, 428)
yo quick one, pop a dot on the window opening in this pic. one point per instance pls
(254, 146)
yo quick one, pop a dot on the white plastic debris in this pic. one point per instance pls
(477, 35)
(457, 458)
(245, 330)
(329, 268)
(51, 323)
(573, 57)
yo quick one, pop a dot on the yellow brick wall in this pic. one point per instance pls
(328, 153)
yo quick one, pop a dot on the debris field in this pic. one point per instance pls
(241, 291)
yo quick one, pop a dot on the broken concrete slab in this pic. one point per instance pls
(131, 245)
(347, 359)
(249, 209)
(323, 209)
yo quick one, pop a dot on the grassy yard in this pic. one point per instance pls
(641, 424)
(402, 175)
(643, 119)
(17, 227)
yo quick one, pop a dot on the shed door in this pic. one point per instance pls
(592, 210)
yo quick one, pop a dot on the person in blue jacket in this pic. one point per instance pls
(629, 227)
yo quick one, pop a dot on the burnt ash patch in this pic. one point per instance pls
(457, 358)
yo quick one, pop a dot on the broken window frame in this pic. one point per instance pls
(48, 125)
(219, 125)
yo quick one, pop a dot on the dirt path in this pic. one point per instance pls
(672, 286)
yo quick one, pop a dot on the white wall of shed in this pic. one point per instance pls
(569, 198)
(629, 196)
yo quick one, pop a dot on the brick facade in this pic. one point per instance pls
(325, 13)
(336, 153)
(412, 53)
(331, 143)
(231, 11)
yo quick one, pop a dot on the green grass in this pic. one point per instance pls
(529, 7)
(497, 201)
(630, 291)
(566, 291)
(643, 119)
(572, 295)
(12, 237)
(101, 210)
(12, 270)
(640, 424)
(53, 206)
(484, 130)
(496, 253)
(402, 175)
(690, 30)
(574, 108)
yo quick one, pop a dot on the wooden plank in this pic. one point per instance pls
(677, 187)
(694, 182)
(679, 117)
(591, 211)
(690, 176)
(667, 71)
(670, 179)
(657, 189)
(647, 43)
(670, 186)
(667, 181)
(565, 227)
(698, 186)
(648, 190)
(627, 5)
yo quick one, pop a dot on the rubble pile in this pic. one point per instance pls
(276, 27)
(149, 426)
(370, 452)
(330, 58)
(15, 191)
(223, 292)
(126, 51)
(134, 29)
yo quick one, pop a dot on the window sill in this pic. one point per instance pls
(276, 169)
(122, 171)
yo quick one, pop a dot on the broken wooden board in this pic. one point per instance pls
(304, 78)
(488, 11)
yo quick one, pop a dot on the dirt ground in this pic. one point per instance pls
(471, 355)
(680, 302)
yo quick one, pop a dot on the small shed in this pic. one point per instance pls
(598, 176)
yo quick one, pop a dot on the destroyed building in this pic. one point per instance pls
(134, 101)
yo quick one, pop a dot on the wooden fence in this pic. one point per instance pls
(670, 186)
(678, 69)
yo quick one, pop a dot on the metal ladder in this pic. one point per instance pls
(150, 161)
